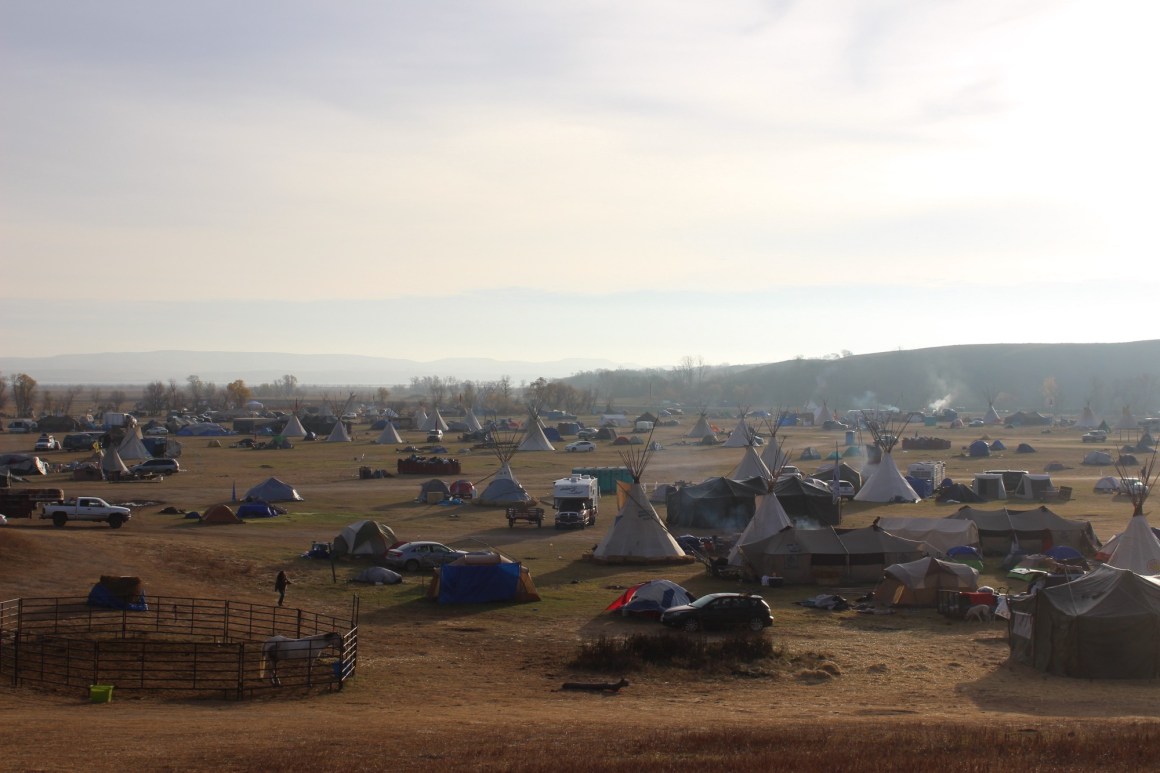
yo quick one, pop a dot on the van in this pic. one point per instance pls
(20, 426)
(643, 426)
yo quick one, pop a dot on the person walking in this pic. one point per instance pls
(280, 585)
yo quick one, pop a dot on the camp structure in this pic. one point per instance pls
(434, 491)
(847, 473)
(1098, 459)
(471, 421)
(750, 466)
(363, 539)
(1032, 531)
(220, 515)
(434, 421)
(825, 556)
(534, 437)
(649, 599)
(1037, 486)
(503, 489)
(293, 427)
(273, 490)
(805, 501)
(1137, 548)
(480, 578)
(1087, 419)
(113, 592)
(988, 486)
(1104, 625)
(991, 417)
(637, 534)
(111, 463)
(1127, 420)
(940, 534)
(742, 435)
(768, 519)
(338, 433)
(419, 419)
(701, 428)
(917, 583)
(390, 435)
(886, 483)
(721, 504)
(378, 575)
(1109, 484)
(132, 447)
(957, 492)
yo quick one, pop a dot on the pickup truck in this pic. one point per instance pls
(85, 509)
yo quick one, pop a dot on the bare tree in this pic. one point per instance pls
(173, 395)
(69, 399)
(23, 393)
(3, 393)
(287, 385)
(47, 402)
(196, 390)
(153, 399)
(117, 398)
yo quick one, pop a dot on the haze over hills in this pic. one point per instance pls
(265, 367)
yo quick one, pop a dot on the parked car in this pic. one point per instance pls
(156, 467)
(80, 441)
(413, 556)
(720, 610)
(581, 445)
(1095, 436)
(845, 489)
(434, 436)
(155, 431)
(21, 425)
(588, 433)
(47, 443)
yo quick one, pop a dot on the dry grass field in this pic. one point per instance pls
(477, 687)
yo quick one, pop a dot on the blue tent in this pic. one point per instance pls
(979, 448)
(998, 445)
(461, 582)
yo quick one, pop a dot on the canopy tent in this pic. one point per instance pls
(941, 534)
(1032, 530)
(481, 578)
(1104, 625)
(1034, 486)
(273, 490)
(917, 583)
(827, 556)
(721, 504)
(367, 539)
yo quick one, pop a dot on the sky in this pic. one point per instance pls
(738, 182)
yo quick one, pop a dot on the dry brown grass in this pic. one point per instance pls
(476, 687)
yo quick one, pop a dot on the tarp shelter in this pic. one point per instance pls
(369, 539)
(722, 504)
(978, 448)
(273, 490)
(988, 486)
(917, 583)
(378, 575)
(1034, 531)
(941, 534)
(1104, 625)
(118, 593)
(482, 578)
(219, 515)
(825, 556)
(802, 499)
(650, 598)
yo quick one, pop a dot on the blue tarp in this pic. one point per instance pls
(101, 596)
(478, 584)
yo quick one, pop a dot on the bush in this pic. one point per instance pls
(619, 654)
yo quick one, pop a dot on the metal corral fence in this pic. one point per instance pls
(209, 647)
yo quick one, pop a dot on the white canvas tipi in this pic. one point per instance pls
(638, 535)
(132, 447)
(751, 466)
(434, 421)
(111, 462)
(701, 428)
(534, 437)
(389, 436)
(472, 422)
(1137, 548)
(769, 518)
(1127, 420)
(338, 433)
(742, 434)
(420, 419)
(1088, 419)
(821, 415)
(293, 427)
(503, 490)
(885, 483)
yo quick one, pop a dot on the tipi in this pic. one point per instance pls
(1088, 419)
(886, 483)
(434, 421)
(111, 463)
(1137, 548)
(420, 419)
(132, 447)
(768, 519)
(773, 454)
(338, 433)
(504, 490)
(638, 535)
(701, 428)
(750, 466)
(534, 437)
(742, 435)
(293, 427)
(1127, 420)
(991, 417)
(472, 422)
(389, 436)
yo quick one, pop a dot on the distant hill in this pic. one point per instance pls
(266, 367)
(1016, 376)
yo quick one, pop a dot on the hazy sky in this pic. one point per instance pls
(640, 181)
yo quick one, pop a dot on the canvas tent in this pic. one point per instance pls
(805, 500)
(1032, 530)
(472, 422)
(480, 578)
(364, 539)
(1104, 625)
(721, 504)
(273, 490)
(1098, 458)
(940, 534)
(825, 556)
(917, 583)
(434, 486)
(1034, 486)
(220, 515)
(988, 486)
(338, 433)
(750, 466)
(1087, 419)
(390, 435)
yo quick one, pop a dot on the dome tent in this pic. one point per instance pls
(273, 490)
(369, 539)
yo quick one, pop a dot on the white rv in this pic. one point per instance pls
(576, 500)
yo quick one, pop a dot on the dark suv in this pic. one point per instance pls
(80, 441)
(720, 610)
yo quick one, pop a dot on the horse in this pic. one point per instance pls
(309, 648)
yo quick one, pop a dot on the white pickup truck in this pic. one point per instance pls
(85, 509)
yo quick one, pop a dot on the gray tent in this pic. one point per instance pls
(1104, 625)
(1032, 530)
(273, 490)
(824, 555)
(378, 575)
(721, 504)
